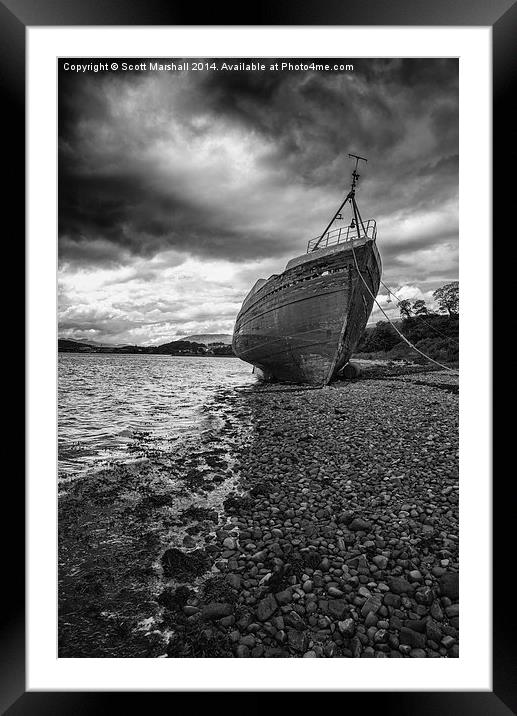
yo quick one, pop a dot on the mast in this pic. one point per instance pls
(349, 197)
(355, 179)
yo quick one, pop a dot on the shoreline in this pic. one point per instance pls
(144, 353)
(307, 523)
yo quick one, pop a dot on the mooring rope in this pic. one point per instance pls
(449, 338)
(451, 370)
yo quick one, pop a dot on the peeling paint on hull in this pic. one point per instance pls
(303, 325)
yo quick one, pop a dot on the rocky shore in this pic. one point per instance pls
(306, 523)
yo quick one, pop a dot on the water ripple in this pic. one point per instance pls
(105, 400)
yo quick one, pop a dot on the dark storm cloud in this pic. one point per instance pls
(177, 190)
(241, 165)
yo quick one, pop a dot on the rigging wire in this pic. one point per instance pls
(390, 321)
(449, 338)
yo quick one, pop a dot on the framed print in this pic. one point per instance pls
(252, 443)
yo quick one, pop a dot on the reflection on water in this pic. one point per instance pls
(107, 401)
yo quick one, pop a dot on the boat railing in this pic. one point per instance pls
(343, 234)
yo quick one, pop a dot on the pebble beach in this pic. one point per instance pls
(302, 523)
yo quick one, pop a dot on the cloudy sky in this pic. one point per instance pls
(178, 189)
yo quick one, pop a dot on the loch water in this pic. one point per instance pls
(107, 402)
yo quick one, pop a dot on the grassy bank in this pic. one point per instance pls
(435, 335)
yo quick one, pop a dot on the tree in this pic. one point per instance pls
(405, 308)
(383, 337)
(419, 308)
(448, 298)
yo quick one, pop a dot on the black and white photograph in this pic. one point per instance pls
(258, 357)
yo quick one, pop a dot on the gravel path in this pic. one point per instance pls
(336, 535)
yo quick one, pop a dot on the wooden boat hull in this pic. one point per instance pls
(303, 325)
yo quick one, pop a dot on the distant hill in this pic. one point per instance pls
(71, 344)
(208, 338)
(67, 346)
(178, 348)
(175, 348)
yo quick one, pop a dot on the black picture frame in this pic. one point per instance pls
(15, 16)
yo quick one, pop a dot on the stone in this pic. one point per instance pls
(229, 543)
(392, 600)
(266, 608)
(278, 622)
(453, 611)
(281, 636)
(248, 640)
(395, 623)
(294, 620)
(449, 585)
(371, 620)
(216, 610)
(380, 636)
(325, 564)
(425, 596)
(433, 631)
(416, 625)
(284, 597)
(260, 556)
(297, 640)
(448, 641)
(242, 651)
(190, 611)
(412, 638)
(334, 592)
(345, 518)
(234, 580)
(356, 647)
(436, 611)
(228, 621)
(330, 649)
(380, 561)
(346, 627)
(360, 525)
(371, 605)
(337, 607)
(393, 641)
(399, 585)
